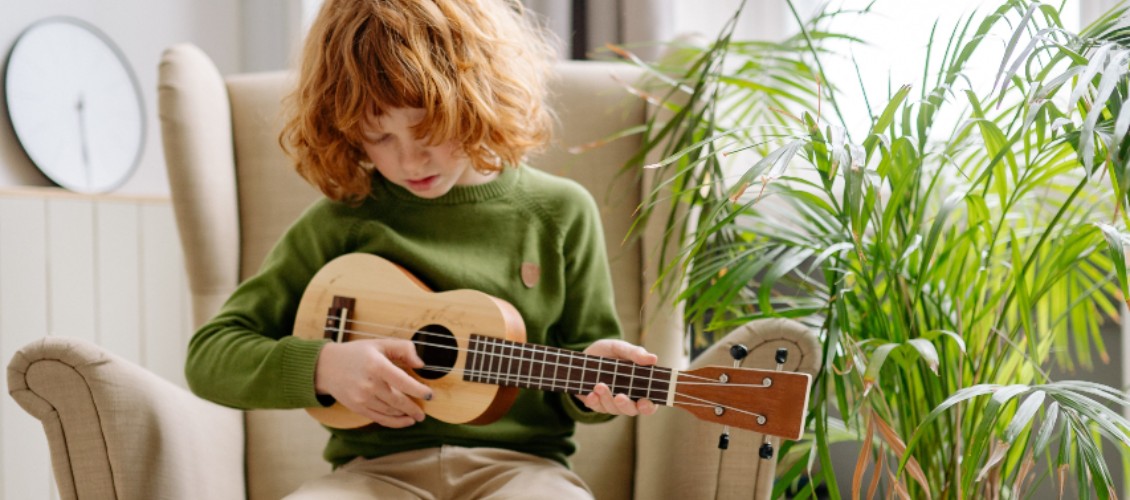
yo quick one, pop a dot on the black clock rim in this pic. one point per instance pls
(122, 59)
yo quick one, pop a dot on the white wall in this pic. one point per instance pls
(271, 32)
(240, 36)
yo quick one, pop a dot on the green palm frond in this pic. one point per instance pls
(949, 264)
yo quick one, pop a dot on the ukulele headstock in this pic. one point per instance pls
(770, 402)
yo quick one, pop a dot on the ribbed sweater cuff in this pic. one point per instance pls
(299, 358)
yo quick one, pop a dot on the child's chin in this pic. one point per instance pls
(428, 194)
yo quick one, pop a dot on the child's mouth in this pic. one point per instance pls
(422, 184)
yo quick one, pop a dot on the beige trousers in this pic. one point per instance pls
(449, 472)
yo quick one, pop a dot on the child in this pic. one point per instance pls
(413, 116)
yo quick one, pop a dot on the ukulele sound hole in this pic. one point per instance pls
(437, 347)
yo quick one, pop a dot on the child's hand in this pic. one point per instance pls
(601, 398)
(363, 376)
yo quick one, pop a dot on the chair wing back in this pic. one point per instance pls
(234, 194)
(196, 132)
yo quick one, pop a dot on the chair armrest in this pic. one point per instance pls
(690, 465)
(117, 431)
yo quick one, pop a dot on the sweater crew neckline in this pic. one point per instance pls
(497, 187)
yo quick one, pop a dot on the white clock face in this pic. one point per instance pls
(75, 105)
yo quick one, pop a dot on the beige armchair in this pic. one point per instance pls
(118, 431)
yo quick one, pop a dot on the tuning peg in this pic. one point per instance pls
(766, 451)
(782, 355)
(739, 352)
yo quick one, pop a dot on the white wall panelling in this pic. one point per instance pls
(25, 466)
(106, 269)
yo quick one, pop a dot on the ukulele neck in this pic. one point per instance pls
(530, 366)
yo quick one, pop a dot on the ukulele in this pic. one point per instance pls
(476, 359)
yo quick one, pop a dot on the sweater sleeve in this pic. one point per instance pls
(590, 312)
(245, 357)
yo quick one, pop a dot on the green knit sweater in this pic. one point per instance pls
(474, 237)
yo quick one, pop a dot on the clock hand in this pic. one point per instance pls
(80, 107)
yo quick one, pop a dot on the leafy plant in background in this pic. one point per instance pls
(948, 268)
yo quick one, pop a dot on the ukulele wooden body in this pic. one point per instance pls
(388, 302)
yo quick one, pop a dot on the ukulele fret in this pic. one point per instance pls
(503, 361)
(619, 376)
(659, 384)
(482, 363)
(473, 358)
(575, 383)
(639, 375)
(650, 380)
(543, 356)
(606, 377)
(528, 361)
(631, 381)
(568, 372)
(592, 369)
(553, 359)
(509, 376)
(495, 364)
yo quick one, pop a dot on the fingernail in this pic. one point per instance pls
(428, 397)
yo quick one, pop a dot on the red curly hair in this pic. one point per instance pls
(477, 67)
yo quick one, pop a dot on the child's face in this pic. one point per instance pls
(425, 171)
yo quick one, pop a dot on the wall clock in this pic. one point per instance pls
(75, 105)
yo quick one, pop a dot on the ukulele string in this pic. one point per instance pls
(519, 378)
(518, 345)
(506, 376)
(580, 389)
(706, 403)
(522, 348)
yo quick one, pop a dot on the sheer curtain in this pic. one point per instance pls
(584, 27)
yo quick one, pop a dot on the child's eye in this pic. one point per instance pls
(378, 138)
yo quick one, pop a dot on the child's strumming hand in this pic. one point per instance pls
(364, 376)
(601, 398)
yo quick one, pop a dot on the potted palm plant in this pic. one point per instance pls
(950, 266)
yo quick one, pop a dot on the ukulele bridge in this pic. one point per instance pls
(337, 317)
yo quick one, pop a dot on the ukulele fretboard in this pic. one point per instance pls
(531, 366)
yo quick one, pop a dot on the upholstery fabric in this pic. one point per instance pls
(196, 118)
(118, 431)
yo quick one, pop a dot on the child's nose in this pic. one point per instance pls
(418, 154)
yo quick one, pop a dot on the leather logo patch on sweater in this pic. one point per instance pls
(531, 273)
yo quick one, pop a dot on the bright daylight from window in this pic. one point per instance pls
(897, 35)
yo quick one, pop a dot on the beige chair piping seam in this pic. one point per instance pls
(63, 428)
